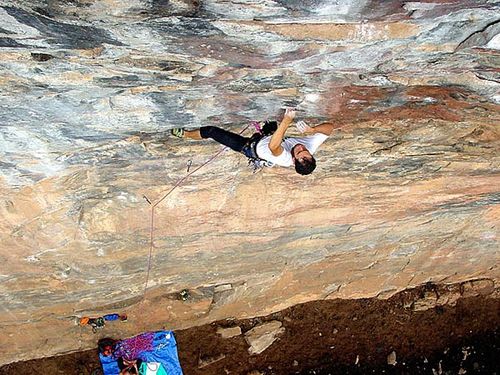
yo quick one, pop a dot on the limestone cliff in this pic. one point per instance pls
(406, 192)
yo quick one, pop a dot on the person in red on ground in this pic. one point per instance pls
(127, 367)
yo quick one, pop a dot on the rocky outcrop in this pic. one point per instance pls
(262, 336)
(406, 192)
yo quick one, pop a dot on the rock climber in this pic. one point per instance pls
(271, 147)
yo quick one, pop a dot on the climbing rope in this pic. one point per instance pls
(153, 206)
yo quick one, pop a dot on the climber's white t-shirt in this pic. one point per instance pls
(311, 142)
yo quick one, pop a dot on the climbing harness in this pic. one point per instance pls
(263, 129)
(250, 151)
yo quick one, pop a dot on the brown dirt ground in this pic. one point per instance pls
(336, 337)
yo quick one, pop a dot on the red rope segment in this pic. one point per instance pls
(150, 248)
(151, 229)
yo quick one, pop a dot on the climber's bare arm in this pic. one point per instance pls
(277, 137)
(325, 128)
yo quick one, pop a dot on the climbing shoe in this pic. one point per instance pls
(178, 132)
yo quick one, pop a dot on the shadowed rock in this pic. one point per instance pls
(61, 34)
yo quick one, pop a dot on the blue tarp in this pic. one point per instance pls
(157, 346)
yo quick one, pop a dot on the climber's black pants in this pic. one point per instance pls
(234, 141)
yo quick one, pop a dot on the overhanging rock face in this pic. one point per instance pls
(406, 192)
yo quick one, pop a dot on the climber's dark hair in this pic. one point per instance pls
(105, 342)
(307, 166)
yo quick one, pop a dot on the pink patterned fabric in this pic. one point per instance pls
(130, 349)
